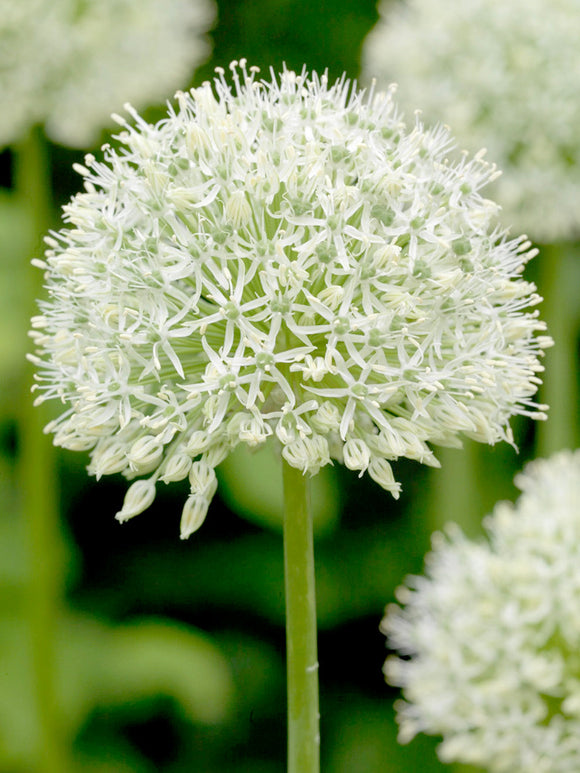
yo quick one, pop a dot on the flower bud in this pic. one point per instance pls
(139, 497)
(193, 514)
(145, 454)
(356, 454)
(203, 479)
(176, 468)
(109, 457)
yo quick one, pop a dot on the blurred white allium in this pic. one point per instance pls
(282, 259)
(490, 637)
(505, 75)
(68, 64)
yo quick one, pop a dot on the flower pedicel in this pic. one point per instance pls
(281, 260)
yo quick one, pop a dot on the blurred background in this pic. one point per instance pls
(169, 655)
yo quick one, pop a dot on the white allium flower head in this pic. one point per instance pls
(490, 636)
(505, 75)
(68, 64)
(282, 260)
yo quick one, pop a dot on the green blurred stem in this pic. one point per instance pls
(560, 390)
(38, 481)
(301, 649)
(455, 489)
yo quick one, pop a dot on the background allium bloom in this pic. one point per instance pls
(281, 259)
(491, 635)
(68, 64)
(505, 76)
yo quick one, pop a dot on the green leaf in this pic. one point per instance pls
(148, 657)
(151, 657)
(101, 666)
(112, 756)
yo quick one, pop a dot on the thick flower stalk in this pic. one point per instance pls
(67, 64)
(489, 637)
(504, 75)
(281, 260)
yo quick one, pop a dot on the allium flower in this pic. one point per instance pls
(490, 637)
(504, 75)
(282, 260)
(68, 64)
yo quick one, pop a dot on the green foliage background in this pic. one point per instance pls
(171, 654)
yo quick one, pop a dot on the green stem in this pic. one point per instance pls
(455, 489)
(38, 483)
(560, 389)
(301, 650)
(455, 496)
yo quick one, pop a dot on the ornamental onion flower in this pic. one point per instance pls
(503, 75)
(68, 65)
(489, 637)
(282, 260)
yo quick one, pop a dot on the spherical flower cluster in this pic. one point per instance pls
(281, 259)
(490, 637)
(68, 64)
(504, 75)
